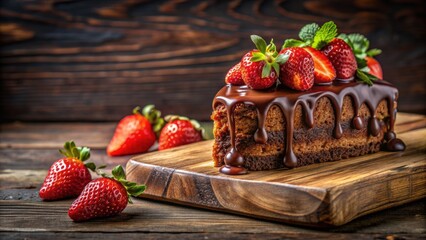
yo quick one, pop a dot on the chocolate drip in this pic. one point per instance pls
(287, 100)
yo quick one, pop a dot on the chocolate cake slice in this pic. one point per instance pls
(284, 128)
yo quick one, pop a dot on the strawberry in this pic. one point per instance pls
(67, 176)
(234, 75)
(374, 67)
(369, 69)
(298, 72)
(341, 56)
(260, 67)
(324, 38)
(179, 131)
(104, 197)
(324, 71)
(136, 133)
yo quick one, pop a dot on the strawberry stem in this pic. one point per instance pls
(268, 54)
(154, 117)
(197, 126)
(132, 188)
(72, 151)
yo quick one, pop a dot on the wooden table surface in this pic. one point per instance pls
(28, 149)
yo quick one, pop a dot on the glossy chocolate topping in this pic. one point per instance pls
(288, 99)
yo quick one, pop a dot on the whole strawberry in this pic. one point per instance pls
(104, 197)
(234, 75)
(136, 133)
(260, 67)
(67, 176)
(341, 56)
(298, 72)
(179, 131)
(369, 69)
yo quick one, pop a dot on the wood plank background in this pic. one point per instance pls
(95, 60)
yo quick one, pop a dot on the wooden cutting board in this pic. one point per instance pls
(323, 194)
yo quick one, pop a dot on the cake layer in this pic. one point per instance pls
(282, 128)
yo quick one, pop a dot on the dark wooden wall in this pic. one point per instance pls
(65, 60)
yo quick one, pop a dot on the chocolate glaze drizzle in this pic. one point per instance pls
(288, 99)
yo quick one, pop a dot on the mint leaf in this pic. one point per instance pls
(360, 44)
(324, 35)
(292, 43)
(259, 42)
(307, 33)
(373, 52)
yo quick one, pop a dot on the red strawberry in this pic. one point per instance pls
(136, 133)
(341, 56)
(324, 71)
(179, 131)
(104, 197)
(67, 176)
(298, 72)
(374, 66)
(234, 75)
(260, 68)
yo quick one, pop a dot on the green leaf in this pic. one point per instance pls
(84, 153)
(361, 63)
(372, 77)
(271, 48)
(91, 166)
(67, 148)
(360, 43)
(266, 70)
(75, 153)
(292, 43)
(276, 67)
(363, 77)
(324, 35)
(257, 56)
(259, 42)
(136, 190)
(282, 58)
(118, 173)
(307, 33)
(374, 52)
(102, 166)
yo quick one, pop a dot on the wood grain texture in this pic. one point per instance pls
(96, 60)
(148, 217)
(320, 194)
(21, 209)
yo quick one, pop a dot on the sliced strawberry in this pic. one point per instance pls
(374, 66)
(298, 72)
(234, 75)
(341, 56)
(324, 71)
